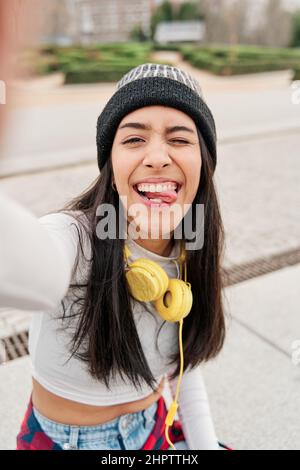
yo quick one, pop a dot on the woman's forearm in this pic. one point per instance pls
(194, 411)
(35, 269)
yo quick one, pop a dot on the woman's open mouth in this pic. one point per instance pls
(158, 194)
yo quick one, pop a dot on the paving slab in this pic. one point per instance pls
(15, 389)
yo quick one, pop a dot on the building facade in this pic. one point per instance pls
(92, 21)
(113, 20)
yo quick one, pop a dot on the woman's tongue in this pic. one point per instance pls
(166, 196)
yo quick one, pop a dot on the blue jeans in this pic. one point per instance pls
(127, 432)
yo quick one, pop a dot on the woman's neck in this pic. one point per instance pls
(160, 247)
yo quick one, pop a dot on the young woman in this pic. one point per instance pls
(100, 357)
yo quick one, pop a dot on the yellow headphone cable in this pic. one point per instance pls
(148, 282)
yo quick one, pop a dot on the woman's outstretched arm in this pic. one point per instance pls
(36, 258)
(194, 411)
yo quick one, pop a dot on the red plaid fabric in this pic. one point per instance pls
(31, 435)
(157, 439)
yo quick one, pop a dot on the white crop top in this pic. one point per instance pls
(55, 239)
(48, 346)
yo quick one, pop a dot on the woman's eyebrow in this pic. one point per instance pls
(169, 130)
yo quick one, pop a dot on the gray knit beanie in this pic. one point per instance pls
(154, 84)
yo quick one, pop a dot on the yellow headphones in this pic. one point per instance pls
(173, 299)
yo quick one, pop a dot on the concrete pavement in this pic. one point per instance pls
(254, 384)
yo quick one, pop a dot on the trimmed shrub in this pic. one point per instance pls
(241, 59)
(296, 73)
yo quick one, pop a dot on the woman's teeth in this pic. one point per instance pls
(156, 188)
(162, 193)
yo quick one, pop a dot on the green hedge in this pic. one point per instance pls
(245, 52)
(108, 62)
(96, 72)
(240, 60)
(296, 73)
(93, 76)
(88, 64)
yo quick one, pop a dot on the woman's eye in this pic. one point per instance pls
(180, 141)
(133, 140)
(136, 139)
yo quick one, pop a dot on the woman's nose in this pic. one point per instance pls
(157, 157)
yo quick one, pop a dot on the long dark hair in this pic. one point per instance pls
(105, 336)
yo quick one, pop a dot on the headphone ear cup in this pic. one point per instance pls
(147, 280)
(176, 302)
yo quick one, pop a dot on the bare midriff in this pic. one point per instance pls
(69, 412)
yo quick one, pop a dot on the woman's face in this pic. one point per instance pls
(156, 163)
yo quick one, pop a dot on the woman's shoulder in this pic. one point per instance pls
(64, 218)
(70, 227)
